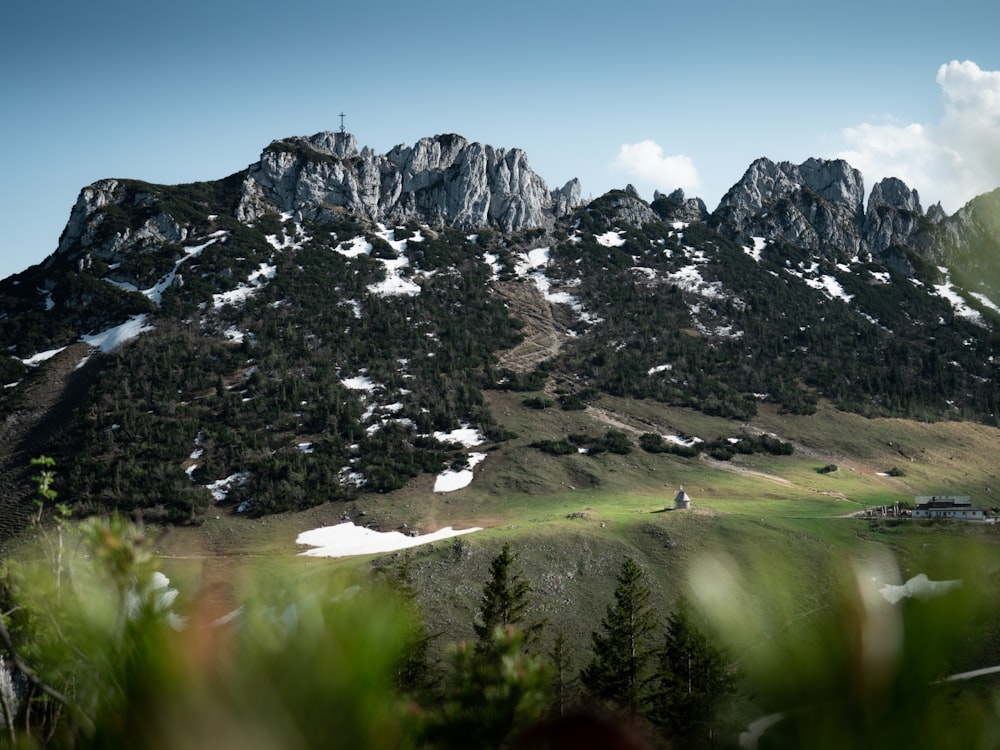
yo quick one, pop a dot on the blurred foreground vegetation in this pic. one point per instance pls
(100, 651)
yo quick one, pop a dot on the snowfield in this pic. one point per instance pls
(346, 539)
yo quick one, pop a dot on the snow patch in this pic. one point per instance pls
(918, 587)
(537, 258)
(155, 292)
(109, 340)
(759, 243)
(221, 488)
(690, 279)
(467, 436)
(355, 247)
(880, 277)
(830, 287)
(985, 301)
(258, 279)
(611, 239)
(346, 539)
(947, 291)
(359, 383)
(686, 442)
(37, 359)
(451, 480)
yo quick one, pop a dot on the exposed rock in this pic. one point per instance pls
(816, 205)
(676, 207)
(936, 213)
(566, 198)
(440, 180)
(82, 227)
(972, 234)
(624, 207)
(894, 216)
(87, 230)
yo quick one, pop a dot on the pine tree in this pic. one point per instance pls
(415, 673)
(559, 659)
(618, 672)
(504, 600)
(692, 677)
(490, 695)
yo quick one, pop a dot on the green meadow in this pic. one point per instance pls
(572, 519)
(776, 554)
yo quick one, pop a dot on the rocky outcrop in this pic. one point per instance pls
(676, 207)
(442, 180)
(894, 216)
(92, 226)
(566, 198)
(971, 236)
(817, 205)
(622, 207)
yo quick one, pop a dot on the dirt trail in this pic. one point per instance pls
(637, 427)
(737, 469)
(543, 336)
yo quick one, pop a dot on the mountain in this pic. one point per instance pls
(326, 322)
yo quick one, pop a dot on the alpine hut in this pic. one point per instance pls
(682, 501)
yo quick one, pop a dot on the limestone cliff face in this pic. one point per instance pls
(817, 205)
(977, 219)
(677, 207)
(441, 180)
(92, 227)
(894, 216)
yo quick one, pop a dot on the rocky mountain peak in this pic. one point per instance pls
(894, 193)
(95, 224)
(974, 229)
(623, 207)
(441, 180)
(677, 207)
(340, 145)
(893, 217)
(835, 181)
(817, 204)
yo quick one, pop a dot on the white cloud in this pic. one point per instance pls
(644, 161)
(951, 161)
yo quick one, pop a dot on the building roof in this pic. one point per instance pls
(963, 502)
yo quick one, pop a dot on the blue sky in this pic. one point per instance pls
(659, 95)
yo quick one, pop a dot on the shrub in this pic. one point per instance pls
(537, 402)
(555, 447)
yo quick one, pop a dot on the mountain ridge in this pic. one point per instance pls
(360, 305)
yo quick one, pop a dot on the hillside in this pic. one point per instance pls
(431, 338)
(331, 325)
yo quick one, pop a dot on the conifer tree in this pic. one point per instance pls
(692, 677)
(559, 659)
(490, 695)
(618, 672)
(415, 674)
(504, 600)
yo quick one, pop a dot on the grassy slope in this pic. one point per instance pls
(573, 519)
(769, 536)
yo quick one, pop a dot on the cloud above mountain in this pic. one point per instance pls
(951, 161)
(645, 162)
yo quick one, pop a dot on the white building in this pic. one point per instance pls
(958, 507)
(682, 501)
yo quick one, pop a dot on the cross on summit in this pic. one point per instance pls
(342, 116)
